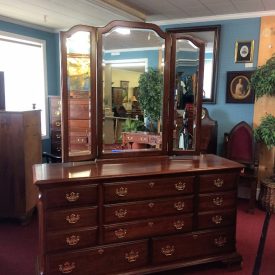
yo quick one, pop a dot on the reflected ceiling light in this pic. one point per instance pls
(123, 31)
(121, 65)
(192, 44)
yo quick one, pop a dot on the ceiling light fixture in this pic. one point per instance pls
(123, 31)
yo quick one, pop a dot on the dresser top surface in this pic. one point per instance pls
(106, 169)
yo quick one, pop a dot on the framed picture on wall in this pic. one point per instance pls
(238, 88)
(244, 51)
(125, 85)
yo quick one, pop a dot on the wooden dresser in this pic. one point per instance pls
(78, 123)
(136, 217)
(20, 148)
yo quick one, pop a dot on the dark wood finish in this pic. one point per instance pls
(217, 31)
(55, 125)
(2, 91)
(137, 138)
(197, 99)
(162, 34)
(239, 146)
(20, 139)
(66, 103)
(148, 214)
(209, 131)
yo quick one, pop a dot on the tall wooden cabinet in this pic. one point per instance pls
(20, 148)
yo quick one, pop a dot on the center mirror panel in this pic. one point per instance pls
(187, 72)
(132, 89)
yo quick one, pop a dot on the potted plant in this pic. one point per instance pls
(263, 79)
(150, 96)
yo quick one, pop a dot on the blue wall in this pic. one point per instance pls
(228, 114)
(52, 52)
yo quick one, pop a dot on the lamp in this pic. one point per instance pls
(133, 99)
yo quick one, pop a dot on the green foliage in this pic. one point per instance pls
(150, 94)
(131, 125)
(263, 79)
(266, 131)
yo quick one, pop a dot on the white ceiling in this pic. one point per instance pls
(55, 15)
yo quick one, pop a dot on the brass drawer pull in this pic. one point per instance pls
(67, 267)
(220, 241)
(121, 213)
(150, 224)
(180, 186)
(195, 236)
(73, 218)
(218, 182)
(179, 224)
(57, 113)
(151, 204)
(217, 219)
(218, 201)
(122, 191)
(179, 205)
(72, 240)
(58, 136)
(132, 256)
(151, 184)
(168, 250)
(58, 123)
(100, 251)
(120, 233)
(72, 197)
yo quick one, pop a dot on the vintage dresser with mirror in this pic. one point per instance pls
(128, 200)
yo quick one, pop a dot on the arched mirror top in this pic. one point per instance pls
(133, 81)
(210, 35)
(186, 85)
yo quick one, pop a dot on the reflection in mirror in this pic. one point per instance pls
(210, 36)
(79, 93)
(186, 88)
(132, 79)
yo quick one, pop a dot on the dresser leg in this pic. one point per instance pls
(234, 263)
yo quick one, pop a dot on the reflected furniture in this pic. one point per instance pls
(55, 124)
(139, 216)
(136, 139)
(20, 139)
(209, 129)
(239, 146)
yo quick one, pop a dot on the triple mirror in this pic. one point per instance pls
(126, 92)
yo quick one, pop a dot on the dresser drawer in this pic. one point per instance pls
(192, 245)
(70, 196)
(217, 201)
(147, 209)
(79, 109)
(71, 239)
(71, 218)
(217, 182)
(147, 228)
(216, 219)
(110, 259)
(143, 189)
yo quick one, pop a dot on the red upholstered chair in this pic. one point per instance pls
(239, 146)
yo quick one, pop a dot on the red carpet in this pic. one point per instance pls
(18, 247)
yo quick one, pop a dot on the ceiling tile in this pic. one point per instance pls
(248, 5)
(269, 4)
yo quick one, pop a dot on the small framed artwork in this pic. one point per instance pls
(244, 51)
(238, 88)
(124, 84)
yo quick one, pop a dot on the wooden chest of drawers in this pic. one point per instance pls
(117, 222)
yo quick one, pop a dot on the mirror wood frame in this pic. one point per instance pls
(96, 88)
(65, 96)
(166, 73)
(197, 100)
(216, 29)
